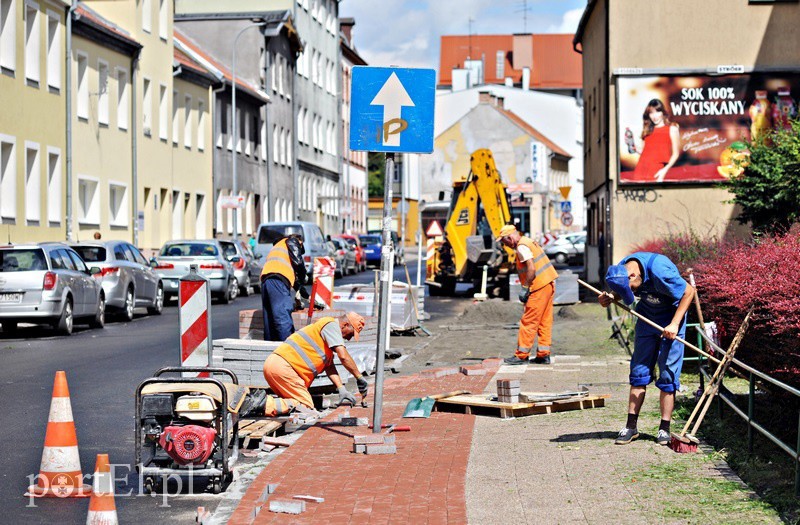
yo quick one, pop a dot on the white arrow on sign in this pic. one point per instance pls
(392, 96)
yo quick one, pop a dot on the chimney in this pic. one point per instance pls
(500, 102)
(346, 25)
(484, 97)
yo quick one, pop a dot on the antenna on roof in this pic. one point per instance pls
(524, 10)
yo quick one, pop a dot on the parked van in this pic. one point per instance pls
(313, 240)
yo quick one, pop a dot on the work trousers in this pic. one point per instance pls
(537, 321)
(284, 381)
(277, 302)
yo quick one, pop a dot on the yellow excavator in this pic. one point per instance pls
(478, 209)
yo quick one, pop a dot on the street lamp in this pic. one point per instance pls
(234, 125)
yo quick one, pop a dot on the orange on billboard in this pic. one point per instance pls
(694, 129)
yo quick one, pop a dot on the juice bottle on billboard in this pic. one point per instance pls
(630, 141)
(784, 109)
(759, 114)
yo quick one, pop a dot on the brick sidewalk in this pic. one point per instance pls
(424, 482)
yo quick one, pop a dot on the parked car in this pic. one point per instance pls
(248, 269)
(127, 278)
(399, 251)
(313, 240)
(567, 248)
(48, 283)
(176, 257)
(345, 257)
(361, 257)
(372, 248)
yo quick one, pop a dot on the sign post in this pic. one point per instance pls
(391, 111)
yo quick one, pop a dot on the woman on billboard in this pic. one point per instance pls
(661, 144)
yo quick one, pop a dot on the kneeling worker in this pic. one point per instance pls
(292, 367)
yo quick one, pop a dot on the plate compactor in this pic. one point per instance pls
(188, 426)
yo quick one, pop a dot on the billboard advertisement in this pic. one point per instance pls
(693, 129)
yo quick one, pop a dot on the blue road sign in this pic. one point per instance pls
(566, 206)
(391, 109)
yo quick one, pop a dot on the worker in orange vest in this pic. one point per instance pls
(283, 274)
(537, 276)
(291, 368)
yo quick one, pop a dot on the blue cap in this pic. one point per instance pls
(617, 280)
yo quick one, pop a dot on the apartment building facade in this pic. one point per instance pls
(354, 165)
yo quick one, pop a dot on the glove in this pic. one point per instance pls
(524, 295)
(345, 397)
(304, 293)
(363, 386)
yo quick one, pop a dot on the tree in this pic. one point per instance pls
(376, 166)
(767, 189)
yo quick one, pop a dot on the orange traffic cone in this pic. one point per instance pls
(60, 472)
(102, 510)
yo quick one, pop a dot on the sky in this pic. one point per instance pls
(407, 33)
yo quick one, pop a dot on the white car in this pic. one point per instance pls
(568, 248)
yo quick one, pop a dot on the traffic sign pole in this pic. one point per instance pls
(383, 292)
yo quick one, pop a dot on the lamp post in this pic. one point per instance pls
(235, 127)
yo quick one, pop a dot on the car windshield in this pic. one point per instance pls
(275, 232)
(351, 242)
(370, 239)
(91, 253)
(191, 249)
(22, 260)
(228, 249)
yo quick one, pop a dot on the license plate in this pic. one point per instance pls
(10, 297)
(369, 251)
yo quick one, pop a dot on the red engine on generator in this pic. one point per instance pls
(190, 444)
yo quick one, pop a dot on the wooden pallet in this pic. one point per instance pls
(481, 405)
(250, 429)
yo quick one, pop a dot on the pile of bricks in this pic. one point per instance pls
(473, 370)
(372, 444)
(508, 390)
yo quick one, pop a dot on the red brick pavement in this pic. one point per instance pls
(423, 483)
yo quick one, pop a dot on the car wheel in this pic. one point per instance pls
(158, 306)
(64, 324)
(246, 289)
(561, 258)
(127, 308)
(99, 319)
(9, 327)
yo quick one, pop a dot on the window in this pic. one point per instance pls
(299, 127)
(187, 122)
(147, 108)
(82, 91)
(119, 253)
(230, 127)
(200, 216)
(102, 92)
(223, 122)
(239, 131)
(246, 124)
(88, 201)
(282, 146)
(33, 183)
(147, 16)
(254, 135)
(8, 178)
(275, 144)
(32, 51)
(163, 19)
(500, 64)
(117, 204)
(76, 261)
(281, 68)
(177, 215)
(54, 57)
(289, 148)
(8, 34)
(162, 112)
(175, 118)
(272, 75)
(122, 98)
(307, 125)
(264, 140)
(54, 185)
(201, 126)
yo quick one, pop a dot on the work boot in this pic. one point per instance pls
(663, 437)
(541, 360)
(515, 361)
(626, 435)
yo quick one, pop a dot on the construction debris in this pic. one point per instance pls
(483, 405)
(287, 506)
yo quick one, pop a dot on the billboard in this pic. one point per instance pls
(692, 129)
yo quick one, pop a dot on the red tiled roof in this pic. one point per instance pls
(82, 11)
(242, 84)
(556, 65)
(186, 61)
(516, 119)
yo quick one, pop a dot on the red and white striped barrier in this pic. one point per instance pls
(547, 238)
(194, 299)
(324, 271)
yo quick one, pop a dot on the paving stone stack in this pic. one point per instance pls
(251, 323)
(508, 390)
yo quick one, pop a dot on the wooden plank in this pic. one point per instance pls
(258, 428)
(480, 405)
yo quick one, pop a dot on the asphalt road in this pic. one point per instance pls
(103, 368)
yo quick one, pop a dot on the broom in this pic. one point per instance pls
(683, 442)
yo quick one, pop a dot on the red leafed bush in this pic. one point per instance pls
(684, 249)
(764, 275)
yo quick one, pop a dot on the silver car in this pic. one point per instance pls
(176, 257)
(345, 257)
(48, 283)
(568, 248)
(127, 278)
(248, 269)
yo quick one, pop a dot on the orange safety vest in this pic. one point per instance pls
(278, 262)
(307, 352)
(544, 273)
